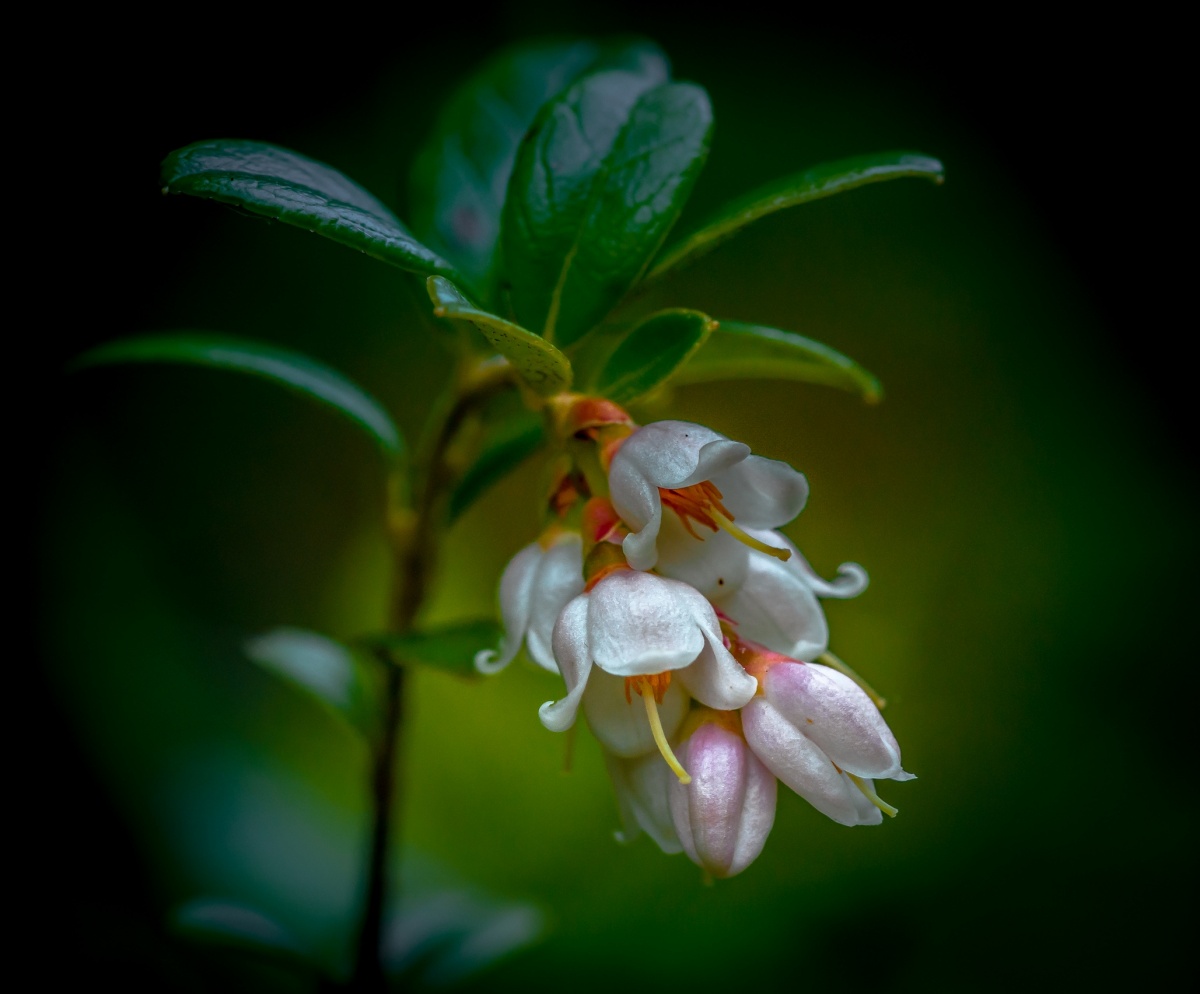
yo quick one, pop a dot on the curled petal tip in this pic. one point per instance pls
(904, 775)
(558, 716)
(489, 661)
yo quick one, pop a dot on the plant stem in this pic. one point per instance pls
(412, 533)
(368, 965)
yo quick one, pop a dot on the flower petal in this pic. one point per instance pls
(668, 453)
(799, 762)
(559, 578)
(714, 459)
(640, 623)
(515, 585)
(574, 661)
(776, 608)
(663, 454)
(642, 788)
(621, 725)
(714, 565)
(762, 493)
(831, 710)
(724, 815)
(716, 679)
(851, 579)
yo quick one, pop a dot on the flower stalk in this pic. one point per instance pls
(412, 531)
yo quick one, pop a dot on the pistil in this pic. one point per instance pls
(874, 798)
(657, 685)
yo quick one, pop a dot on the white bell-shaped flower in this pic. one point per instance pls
(642, 786)
(821, 734)
(536, 585)
(723, 817)
(773, 602)
(648, 635)
(704, 477)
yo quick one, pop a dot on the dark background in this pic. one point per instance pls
(1069, 136)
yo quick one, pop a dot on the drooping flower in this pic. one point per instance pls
(704, 478)
(643, 786)
(773, 602)
(723, 817)
(635, 632)
(821, 734)
(537, 583)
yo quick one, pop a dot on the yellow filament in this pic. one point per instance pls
(832, 661)
(660, 739)
(874, 798)
(727, 524)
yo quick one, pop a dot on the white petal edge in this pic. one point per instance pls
(642, 787)
(516, 582)
(761, 492)
(574, 661)
(776, 608)
(559, 579)
(799, 762)
(716, 679)
(833, 711)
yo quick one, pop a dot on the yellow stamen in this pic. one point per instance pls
(701, 502)
(832, 661)
(660, 739)
(874, 798)
(726, 524)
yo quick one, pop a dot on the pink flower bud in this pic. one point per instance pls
(724, 815)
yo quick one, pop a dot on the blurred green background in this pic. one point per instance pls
(1021, 499)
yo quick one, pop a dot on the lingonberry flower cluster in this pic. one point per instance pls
(690, 632)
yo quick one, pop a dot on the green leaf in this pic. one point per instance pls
(539, 364)
(799, 188)
(505, 448)
(651, 353)
(596, 187)
(449, 647)
(460, 175)
(278, 183)
(290, 369)
(229, 923)
(324, 669)
(447, 929)
(738, 351)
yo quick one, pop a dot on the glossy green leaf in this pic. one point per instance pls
(278, 183)
(596, 187)
(537, 362)
(799, 188)
(504, 449)
(460, 175)
(651, 354)
(282, 366)
(738, 351)
(324, 670)
(449, 647)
